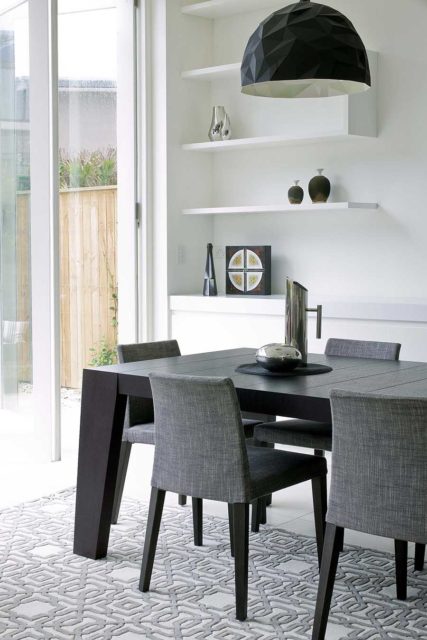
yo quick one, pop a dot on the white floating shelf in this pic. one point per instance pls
(267, 141)
(219, 72)
(220, 8)
(283, 208)
(353, 115)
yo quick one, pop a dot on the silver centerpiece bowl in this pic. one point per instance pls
(278, 357)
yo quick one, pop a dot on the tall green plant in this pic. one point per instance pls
(104, 353)
(87, 168)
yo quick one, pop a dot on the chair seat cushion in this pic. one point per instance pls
(145, 433)
(249, 426)
(271, 470)
(296, 433)
(140, 433)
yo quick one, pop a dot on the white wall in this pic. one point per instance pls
(357, 253)
(361, 254)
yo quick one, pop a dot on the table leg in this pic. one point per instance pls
(101, 427)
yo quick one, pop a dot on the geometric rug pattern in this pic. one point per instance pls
(46, 592)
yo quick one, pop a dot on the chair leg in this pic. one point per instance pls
(269, 498)
(420, 551)
(263, 510)
(342, 544)
(256, 506)
(241, 551)
(330, 555)
(182, 500)
(155, 510)
(198, 521)
(125, 450)
(320, 501)
(401, 553)
(230, 526)
(321, 454)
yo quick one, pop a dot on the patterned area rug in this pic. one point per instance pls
(47, 592)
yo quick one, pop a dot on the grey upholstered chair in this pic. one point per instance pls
(201, 451)
(318, 435)
(139, 420)
(378, 484)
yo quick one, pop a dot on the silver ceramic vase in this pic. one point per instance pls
(220, 128)
(226, 128)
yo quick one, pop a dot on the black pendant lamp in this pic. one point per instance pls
(305, 50)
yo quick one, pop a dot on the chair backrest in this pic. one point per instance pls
(363, 349)
(200, 443)
(140, 410)
(379, 465)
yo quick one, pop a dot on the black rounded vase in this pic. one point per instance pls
(319, 188)
(296, 193)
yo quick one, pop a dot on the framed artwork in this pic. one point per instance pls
(248, 271)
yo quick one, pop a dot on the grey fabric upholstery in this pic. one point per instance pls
(379, 465)
(146, 433)
(297, 433)
(305, 433)
(362, 349)
(272, 470)
(200, 444)
(141, 434)
(249, 426)
(138, 425)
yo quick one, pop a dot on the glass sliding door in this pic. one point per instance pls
(90, 218)
(15, 228)
(68, 248)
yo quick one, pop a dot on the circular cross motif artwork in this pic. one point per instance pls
(248, 270)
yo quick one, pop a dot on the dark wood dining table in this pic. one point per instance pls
(105, 391)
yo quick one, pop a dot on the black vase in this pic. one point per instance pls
(296, 193)
(209, 283)
(319, 188)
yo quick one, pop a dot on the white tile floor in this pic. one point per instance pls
(22, 478)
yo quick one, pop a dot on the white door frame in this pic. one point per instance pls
(45, 264)
(44, 225)
(128, 208)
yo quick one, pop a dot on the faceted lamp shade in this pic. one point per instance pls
(306, 50)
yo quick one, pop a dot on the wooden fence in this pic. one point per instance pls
(88, 282)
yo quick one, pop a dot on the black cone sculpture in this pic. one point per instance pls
(305, 50)
(209, 283)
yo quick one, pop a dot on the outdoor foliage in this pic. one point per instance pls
(88, 168)
(103, 354)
